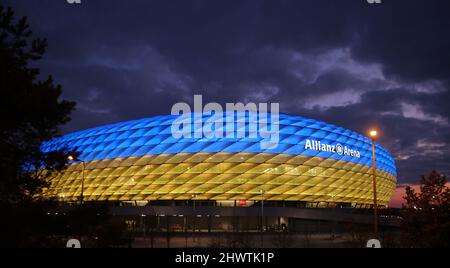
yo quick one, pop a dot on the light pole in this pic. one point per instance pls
(185, 231)
(373, 134)
(262, 215)
(193, 205)
(83, 166)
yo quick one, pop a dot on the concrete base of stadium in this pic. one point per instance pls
(247, 218)
(179, 226)
(264, 217)
(251, 227)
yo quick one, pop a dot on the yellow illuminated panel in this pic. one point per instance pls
(222, 176)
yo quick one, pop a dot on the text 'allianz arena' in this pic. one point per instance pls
(140, 160)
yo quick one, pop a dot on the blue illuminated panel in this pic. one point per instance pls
(152, 136)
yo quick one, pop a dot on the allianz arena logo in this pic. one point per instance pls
(338, 148)
(237, 120)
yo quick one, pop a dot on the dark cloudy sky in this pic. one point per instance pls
(345, 62)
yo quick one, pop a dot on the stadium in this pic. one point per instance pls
(140, 163)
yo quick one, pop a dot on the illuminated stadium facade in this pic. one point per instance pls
(140, 161)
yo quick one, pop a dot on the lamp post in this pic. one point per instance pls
(262, 215)
(193, 205)
(83, 166)
(373, 134)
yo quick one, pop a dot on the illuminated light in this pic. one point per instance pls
(164, 168)
(70, 158)
(242, 203)
(373, 133)
(223, 172)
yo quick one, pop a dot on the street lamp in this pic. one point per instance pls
(83, 165)
(373, 134)
(262, 215)
(262, 207)
(193, 205)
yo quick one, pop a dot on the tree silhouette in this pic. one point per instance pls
(31, 112)
(426, 214)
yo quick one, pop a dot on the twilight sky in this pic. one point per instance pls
(344, 62)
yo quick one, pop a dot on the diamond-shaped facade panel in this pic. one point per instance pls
(142, 160)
